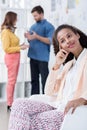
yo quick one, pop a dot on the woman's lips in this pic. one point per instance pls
(71, 45)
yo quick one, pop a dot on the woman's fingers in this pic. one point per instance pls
(67, 108)
(73, 109)
(62, 53)
(65, 52)
(74, 104)
(60, 58)
(70, 104)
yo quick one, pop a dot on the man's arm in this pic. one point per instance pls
(47, 39)
(43, 39)
(38, 37)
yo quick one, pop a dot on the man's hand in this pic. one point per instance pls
(74, 104)
(34, 35)
(30, 36)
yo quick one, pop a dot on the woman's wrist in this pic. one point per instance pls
(84, 101)
(56, 66)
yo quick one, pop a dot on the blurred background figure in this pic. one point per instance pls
(12, 53)
(40, 38)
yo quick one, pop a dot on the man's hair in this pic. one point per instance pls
(38, 9)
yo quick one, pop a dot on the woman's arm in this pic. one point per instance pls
(74, 104)
(53, 82)
(6, 42)
(50, 83)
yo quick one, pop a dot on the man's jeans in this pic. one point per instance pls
(38, 67)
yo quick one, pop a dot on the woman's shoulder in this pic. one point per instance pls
(5, 32)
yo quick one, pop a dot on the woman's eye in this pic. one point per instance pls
(62, 41)
(69, 36)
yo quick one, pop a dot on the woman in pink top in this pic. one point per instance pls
(65, 90)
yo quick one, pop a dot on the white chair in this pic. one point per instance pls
(77, 120)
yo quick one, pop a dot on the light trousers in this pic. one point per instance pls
(12, 62)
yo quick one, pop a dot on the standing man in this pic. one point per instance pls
(40, 38)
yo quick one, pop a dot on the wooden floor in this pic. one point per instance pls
(4, 116)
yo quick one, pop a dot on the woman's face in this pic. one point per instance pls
(68, 40)
(15, 22)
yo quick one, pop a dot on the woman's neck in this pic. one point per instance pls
(78, 52)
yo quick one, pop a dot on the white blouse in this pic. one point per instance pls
(68, 90)
(70, 83)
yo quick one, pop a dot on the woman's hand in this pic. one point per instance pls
(24, 46)
(60, 58)
(74, 104)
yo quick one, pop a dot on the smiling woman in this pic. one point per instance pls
(69, 41)
(65, 91)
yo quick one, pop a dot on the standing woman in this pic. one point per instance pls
(12, 49)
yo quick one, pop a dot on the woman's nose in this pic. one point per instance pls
(67, 41)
